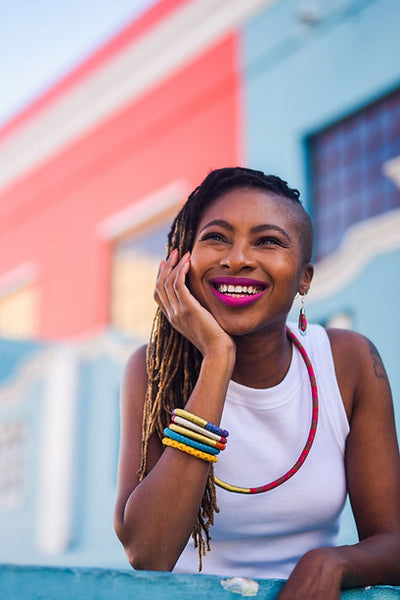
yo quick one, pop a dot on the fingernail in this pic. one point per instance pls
(173, 253)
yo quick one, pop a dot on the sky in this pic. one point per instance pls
(42, 40)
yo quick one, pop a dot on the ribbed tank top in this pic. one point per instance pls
(265, 535)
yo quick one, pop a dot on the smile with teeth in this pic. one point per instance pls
(237, 291)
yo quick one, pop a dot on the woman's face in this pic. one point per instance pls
(247, 261)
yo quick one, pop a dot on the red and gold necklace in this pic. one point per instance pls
(310, 438)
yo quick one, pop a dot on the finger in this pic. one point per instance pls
(164, 271)
(175, 282)
(167, 265)
(179, 283)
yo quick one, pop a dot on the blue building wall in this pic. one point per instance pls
(298, 78)
(97, 440)
(25, 398)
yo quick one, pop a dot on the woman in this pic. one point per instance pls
(308, 421)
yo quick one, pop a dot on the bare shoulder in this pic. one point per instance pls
(358, 365)
(133, 392)
(135, 373)
(354, 349)
(346, 341)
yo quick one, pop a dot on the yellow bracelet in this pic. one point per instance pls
(197, 436)
(189, 450)
(190, 417)
(194, 427)
(180, 412)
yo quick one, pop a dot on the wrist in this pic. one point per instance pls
(221, 355)
(329, 560)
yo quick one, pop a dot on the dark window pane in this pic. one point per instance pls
(348, 182)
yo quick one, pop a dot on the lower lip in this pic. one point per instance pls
(239, 300)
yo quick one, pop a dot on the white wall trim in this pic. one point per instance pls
(56, 471)
(162, 201)
(363, 242)
(166, 47)
(392, 169)
(18, 277)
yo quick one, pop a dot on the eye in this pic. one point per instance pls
(213, 236)
(269, 240)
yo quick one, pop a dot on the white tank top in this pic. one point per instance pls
(264, 535)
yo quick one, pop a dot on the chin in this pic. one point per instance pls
(238, 329)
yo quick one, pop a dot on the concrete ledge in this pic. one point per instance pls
(52, 583)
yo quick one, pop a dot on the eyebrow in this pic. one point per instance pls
(256, 229)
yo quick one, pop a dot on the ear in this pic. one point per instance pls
(306, 278)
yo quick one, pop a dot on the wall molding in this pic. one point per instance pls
(363, 242)
(18, 277)
(163, 201)
(167, 46)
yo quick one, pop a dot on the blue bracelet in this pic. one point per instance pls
(172, 435)
(216, 429)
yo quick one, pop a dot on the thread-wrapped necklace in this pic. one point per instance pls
(310, 438)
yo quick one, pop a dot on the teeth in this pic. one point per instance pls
(223, 288)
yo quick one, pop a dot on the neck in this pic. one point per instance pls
(262, 359)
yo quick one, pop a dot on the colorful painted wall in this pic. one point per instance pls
(91, 175)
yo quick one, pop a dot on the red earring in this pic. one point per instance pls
(302, 323)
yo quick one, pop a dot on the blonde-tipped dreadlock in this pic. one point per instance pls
(173, 366)
(173, 363)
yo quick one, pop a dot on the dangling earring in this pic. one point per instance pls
(302, 324)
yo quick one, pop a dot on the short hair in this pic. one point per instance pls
(221, 181)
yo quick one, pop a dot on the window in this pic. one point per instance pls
(138, 238)
(12, 465)
(19, 312)
(347, 167)
(135, 262)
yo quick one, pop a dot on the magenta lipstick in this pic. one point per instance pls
(237, 291)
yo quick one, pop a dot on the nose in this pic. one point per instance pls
(238, 256)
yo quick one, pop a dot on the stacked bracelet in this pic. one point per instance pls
(194, 435)
(197, 436)
(199, 421)
(197, 453)
(172, 435)
(193, 427)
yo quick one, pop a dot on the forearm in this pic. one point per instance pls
(321, 573)
(373, 561)
(160, 512)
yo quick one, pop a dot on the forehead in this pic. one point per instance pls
(251, 207)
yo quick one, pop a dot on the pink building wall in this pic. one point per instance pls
(181, 128)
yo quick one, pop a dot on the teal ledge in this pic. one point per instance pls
(54, 583)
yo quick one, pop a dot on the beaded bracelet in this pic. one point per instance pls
(197, 428)
(197, 436)
(199, 421)
(197, 453)
(172, 435)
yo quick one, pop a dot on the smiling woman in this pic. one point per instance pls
(226, 394)
(244, 233)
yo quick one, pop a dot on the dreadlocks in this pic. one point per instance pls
(173, 363)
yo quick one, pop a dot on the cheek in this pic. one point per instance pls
(196, 267)
(193, 277)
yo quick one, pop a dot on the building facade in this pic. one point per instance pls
(94, 170)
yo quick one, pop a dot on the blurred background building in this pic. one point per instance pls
(91, 174)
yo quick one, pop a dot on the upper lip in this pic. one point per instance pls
(243, 281)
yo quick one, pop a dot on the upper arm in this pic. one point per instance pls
(372, 455)
(133, 392)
